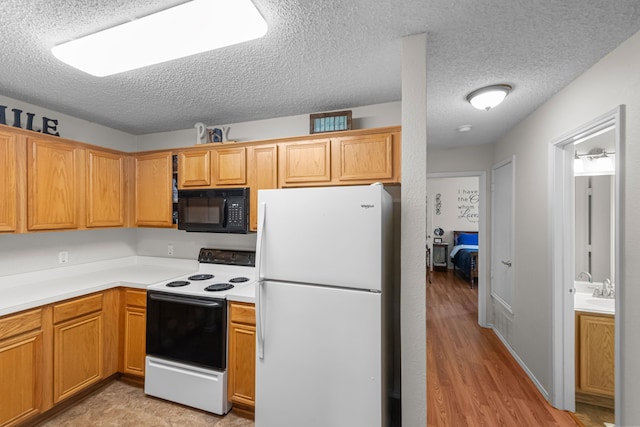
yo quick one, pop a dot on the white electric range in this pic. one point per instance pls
(219, 272)
(187, 330)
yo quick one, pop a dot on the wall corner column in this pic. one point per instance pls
(413, 233)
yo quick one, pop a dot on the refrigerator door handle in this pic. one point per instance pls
(262, 210)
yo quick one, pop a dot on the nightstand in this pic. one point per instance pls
(440, 256)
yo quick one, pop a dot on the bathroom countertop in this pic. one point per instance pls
(585, 301)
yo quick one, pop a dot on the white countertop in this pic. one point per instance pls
(23, 291)
(28, 290)
(244, 294)
(587, 302)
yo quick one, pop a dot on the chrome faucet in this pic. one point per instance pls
(607, 290)
(583, 274)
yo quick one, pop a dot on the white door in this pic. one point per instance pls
(502, 232)
(322, 357)
(332, 236)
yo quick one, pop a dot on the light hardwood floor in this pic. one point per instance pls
(472, 380)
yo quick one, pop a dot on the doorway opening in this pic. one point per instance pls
(585, 262)
(466, 212)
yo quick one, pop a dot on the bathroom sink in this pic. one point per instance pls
(587, 302)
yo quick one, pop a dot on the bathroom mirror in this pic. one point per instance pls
(595, 207)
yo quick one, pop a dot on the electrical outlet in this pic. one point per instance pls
(170, 249)
(63, 257)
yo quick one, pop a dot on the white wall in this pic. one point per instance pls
(458, 209)
(609, 83)
(71, 127)
(371, 116)
(22, 253)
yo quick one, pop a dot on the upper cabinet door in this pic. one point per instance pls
(8, 194)
(365, 157)
(52, 184)
(194, 168)
(262, 174)
(304, 162)
(153, 190)
(105, 189)
(229, 166)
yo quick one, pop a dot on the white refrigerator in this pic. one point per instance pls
(324, 313)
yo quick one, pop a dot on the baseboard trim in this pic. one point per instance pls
(523, 365)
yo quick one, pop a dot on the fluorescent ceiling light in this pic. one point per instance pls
(190, 28)
(488, 97)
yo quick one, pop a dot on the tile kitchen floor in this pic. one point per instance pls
(123, 405)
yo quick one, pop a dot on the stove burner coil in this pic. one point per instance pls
(239, 279)
(177, 283)
(217, 287)
(201, 277)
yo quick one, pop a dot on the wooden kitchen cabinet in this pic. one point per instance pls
(134, 314)
(304, 163)
(229, 166)
(78, 339)
(595, 358)
(54, 177)
(8, 186)
(262, 175)
(105, 190)
(153, 190)
(22, 367)
(242, 354)
(363, 158)
(195, 168)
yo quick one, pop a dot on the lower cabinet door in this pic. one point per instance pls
(78, 355)
(19, 378)
(135, 324)
(242, 364)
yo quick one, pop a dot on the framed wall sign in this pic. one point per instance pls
(437, 240)
(330, 122)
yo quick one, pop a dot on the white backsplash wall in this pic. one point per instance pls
(155, 242)
(22, 253)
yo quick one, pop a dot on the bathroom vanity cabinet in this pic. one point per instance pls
(595, 373)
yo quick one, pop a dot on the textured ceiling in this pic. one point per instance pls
(319, 56)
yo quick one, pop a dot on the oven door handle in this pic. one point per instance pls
(188, 301)
(262, 212)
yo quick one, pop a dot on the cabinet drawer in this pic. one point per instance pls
(243, 313)
(16, 324)
(78, 307)
(135, 297)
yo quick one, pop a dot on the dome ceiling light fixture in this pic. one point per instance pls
(488, 97)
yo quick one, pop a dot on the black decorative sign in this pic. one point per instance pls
(49, 126)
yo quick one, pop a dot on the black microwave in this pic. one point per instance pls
(215, 210)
